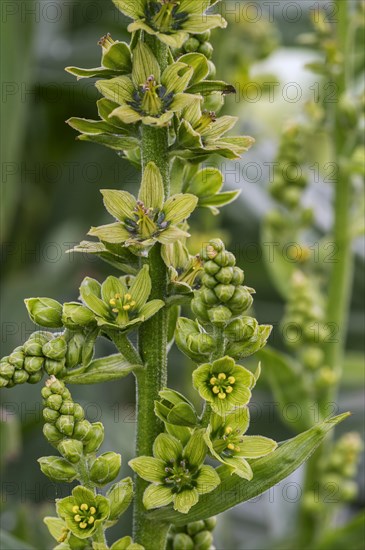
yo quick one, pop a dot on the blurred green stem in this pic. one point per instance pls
(152, 336)
(339, 295)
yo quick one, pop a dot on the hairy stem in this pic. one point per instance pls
(152, 336)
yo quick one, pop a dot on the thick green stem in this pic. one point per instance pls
(125, 347)
(152, 337)
(340, 281)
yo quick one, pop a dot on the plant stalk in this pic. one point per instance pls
(152, 336)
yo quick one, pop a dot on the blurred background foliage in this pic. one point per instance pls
(50, 197)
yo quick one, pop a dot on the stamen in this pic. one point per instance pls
(216, 389)
(231, 379)
(222, 376)
(84, 507)
(222, 395)
(92, 510)
(213, 381)
(230, 446)
(83, 525)
(228, 430)
(77, 517)
(75, 509)
(91, 520)
(229, 389)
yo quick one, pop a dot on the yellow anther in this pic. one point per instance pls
(132, 303)
(112, 302)
(127, 296)
(229, 389)
(83, 525)
(92, 510)
(222, 395)
(126, 308)
(228, 430)
(222, 376)
(75, 509)
(216, 389)
(117, 296)
(213, 381)
(230, 446)
(237, 449)
(84, 507)
(115, 310)
(231, 379)
(77, 517)
(91, 520)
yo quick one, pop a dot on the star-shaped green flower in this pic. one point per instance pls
(83, 511)
(202, 133)
(224, 384)
(183, 268)
(147, 96)
(116, 304)
(177, 473)
(228, 444)
(144, 221)
(170, 21)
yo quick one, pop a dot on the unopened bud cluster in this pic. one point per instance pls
(199, 43)
(194, 536)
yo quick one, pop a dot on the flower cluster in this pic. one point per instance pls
(196, 535)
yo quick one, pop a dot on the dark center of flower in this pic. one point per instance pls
(151, 98)
(163, 16)
(84, 515)
(146, 222)
(179, 476)
(222, 385)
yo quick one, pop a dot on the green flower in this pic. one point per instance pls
(183, 268)
(116, 304)
(83, 511)
(177, 473)
(228, 444)
(149, 96)
(224, 384)
(144, 221)
(170, 21)
(202, 133)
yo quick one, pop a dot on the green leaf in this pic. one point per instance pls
(288, 386)
(221, 199)
(349, 536)
(92, 127)
(267, 472)
(115, 254)
(105, 369)
(208, 86)
(89, 73)
(200, 65)
(206, 182)
(117, 143)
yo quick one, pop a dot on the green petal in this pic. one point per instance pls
(56, 526)
(188, 137)
(149, 468)
(176, 77)
(141, 287)
(196, 449)
(240, 467)
(141, 26)
(110, 287)
(201, 375)
(89, 73)
(91, 127)
(126, 114)
(159, 122)
(193, 112)
(200, 66)
(151, 308)
(111, 233)
(133, 9)
(244, 376)
(256, 446)
(118, 58)
(179, 207)
(175, 40)
(222, 125)
(119, 204)
(197, 24)
(91, 299)
(206, 182)
(171, 235)
(185, 500)
(152, 190)
(208, 480)
(194, 7)
(240, 396)
(238, 420)
(181, 101)
(225, 364)
(119, 89)
(144, 65)
(167, 448)
(156, 496)
(115, 142)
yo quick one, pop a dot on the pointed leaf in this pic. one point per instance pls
(119, 204)
(111, 233)
(199, 63)
(100, 370)
(144, 65)
(118, 58)
(118, 143)
(209, 86)
(141, 287)
(179, 207)
(132, 8)
(152, 190)
(119, 89)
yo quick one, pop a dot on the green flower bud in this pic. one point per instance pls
(209, 281)
(55, 349)
(95, 438)
(240, 301)
(219, 315)
(225, 259)
(224, 292)
(313, 357)
(72, 449)
(74, 350)
(67, 407)
(50, 415)
(201, 343)
(35, 377)
(6, 370)
(33, 347)
(204, 37)
(82, 430)
(182, 541)
(349, 490)
(206, 49)
(199, 309)
(65, 424)
(46, 392)
(326, 378)
(53, 367)
(224, 275)
(191, 45)
(175, 409)
(17, 357)
(242, 329)
(210, 523)
(208, 297)
(105, 468)
(76, 315)
(20, 377)
(54, 401)
(4, 382)
(211, 268)
(33, 364)
(212, 69)
(45, 312)
(203, 540)
(210, 251)
(78, 412)
(120, 496)
(237, 276)
(195, 527)
(57, 469)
